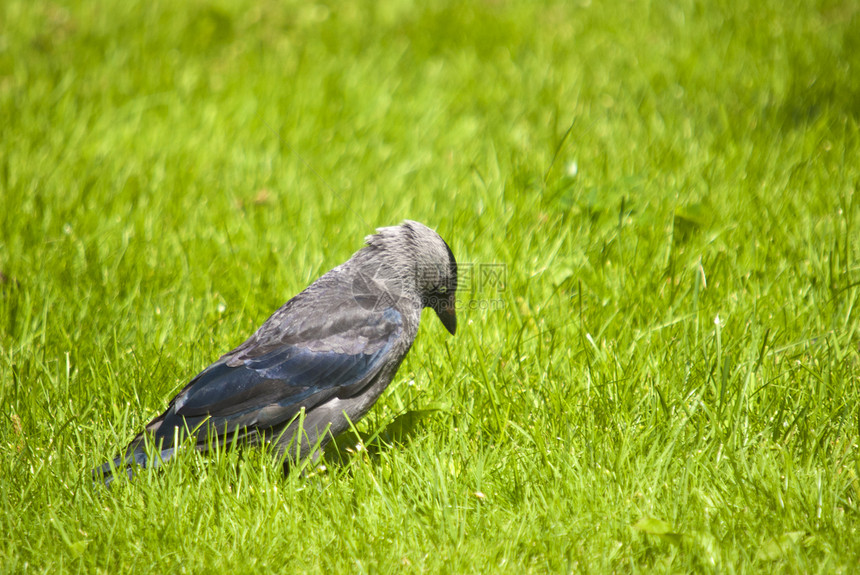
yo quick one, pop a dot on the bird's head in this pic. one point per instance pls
(427, 265)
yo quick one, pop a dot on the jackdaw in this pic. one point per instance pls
(319, 362)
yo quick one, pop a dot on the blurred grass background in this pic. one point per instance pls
(669, 384)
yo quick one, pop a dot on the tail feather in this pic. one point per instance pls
(136, 456)
(130, 464)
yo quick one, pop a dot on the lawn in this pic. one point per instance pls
(655, 207)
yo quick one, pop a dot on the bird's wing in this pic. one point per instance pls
(266, 383)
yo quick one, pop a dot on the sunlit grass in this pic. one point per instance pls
(666, 379)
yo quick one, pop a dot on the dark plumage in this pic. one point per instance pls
(329, 351)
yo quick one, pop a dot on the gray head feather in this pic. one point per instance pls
(411, 260)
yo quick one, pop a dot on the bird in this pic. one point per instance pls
(317, 364)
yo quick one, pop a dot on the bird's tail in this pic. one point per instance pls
(130, 463)
(141, 453)
(136, 456)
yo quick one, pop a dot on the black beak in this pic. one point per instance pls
(448, 315)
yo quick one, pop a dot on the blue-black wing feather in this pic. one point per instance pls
(265, 384)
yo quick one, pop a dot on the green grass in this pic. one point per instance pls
(670, 384)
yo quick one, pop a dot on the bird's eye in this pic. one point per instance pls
(443, 289)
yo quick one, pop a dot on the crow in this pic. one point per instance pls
(318, 363)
